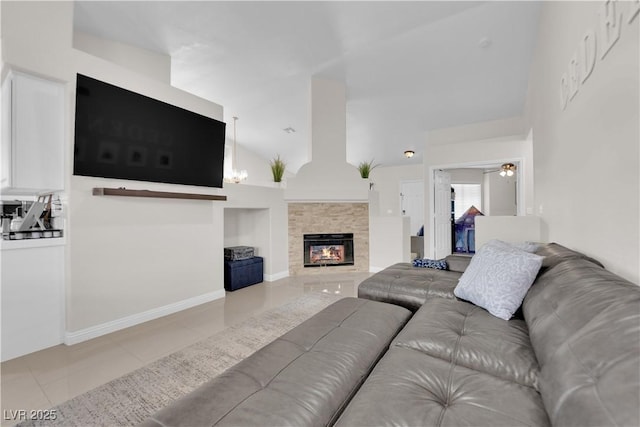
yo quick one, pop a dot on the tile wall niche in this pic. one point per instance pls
(316, 218)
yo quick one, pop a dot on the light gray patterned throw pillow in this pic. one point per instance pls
(498, 278)
(530, 247)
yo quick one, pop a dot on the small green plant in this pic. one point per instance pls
(277, 168)
(365, 168)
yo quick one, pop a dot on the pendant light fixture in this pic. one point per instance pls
(237, 176)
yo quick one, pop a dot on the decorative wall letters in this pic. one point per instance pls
(583, 60)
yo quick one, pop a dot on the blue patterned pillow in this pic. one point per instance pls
(438, 264)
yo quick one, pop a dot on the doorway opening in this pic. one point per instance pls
(463, 191)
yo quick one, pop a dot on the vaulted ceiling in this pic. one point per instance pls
(409, 67)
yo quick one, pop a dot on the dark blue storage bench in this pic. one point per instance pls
(242, 273)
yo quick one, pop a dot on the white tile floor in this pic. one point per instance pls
(46, 378)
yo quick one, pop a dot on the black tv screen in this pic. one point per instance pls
(124, 135)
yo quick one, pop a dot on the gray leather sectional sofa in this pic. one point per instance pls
(408, 286)
(573, 359)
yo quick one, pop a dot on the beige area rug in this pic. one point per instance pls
(128, 400)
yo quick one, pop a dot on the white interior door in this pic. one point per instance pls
(442, 213)
(412, 199)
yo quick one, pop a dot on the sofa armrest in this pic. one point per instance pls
(458, 263)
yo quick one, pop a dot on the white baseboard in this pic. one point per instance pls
(76, 337)
(373, 269)
(276, 276)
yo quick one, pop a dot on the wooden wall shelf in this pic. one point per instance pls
(100, 191)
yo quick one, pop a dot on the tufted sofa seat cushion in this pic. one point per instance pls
(303, 378)
(453, 364)
(410, 388)
(408, 286)
(584, 323)
(468, 335)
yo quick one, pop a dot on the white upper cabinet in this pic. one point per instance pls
(33, 122)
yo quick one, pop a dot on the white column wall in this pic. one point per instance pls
(390, 241)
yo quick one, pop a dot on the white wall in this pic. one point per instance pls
(2, 73)
(466, 176)
(257, 167)
(390, 232)
(132, 255)
(387, 181)
(239, 229)
(513, 229)
(257, 216)
(389, 243)
(460, 147)
(1, 57)
(247, 227)
(587, 154)
(328, 176)
(154, 244)
(499, 194)
(477, 131)
(127, 259)
(151, 64)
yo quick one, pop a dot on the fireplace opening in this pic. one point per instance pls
(322, 250)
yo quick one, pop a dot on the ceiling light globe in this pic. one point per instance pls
(503, 173)
(509, 172)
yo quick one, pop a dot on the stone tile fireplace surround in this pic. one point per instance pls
(327, 218)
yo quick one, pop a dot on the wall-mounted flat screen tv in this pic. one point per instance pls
(125, 135)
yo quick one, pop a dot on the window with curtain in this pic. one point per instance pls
(467, 195)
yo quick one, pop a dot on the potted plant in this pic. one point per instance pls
(365, 168)
(278, 167)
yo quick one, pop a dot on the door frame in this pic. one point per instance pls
(412, 181)
(430, 213)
